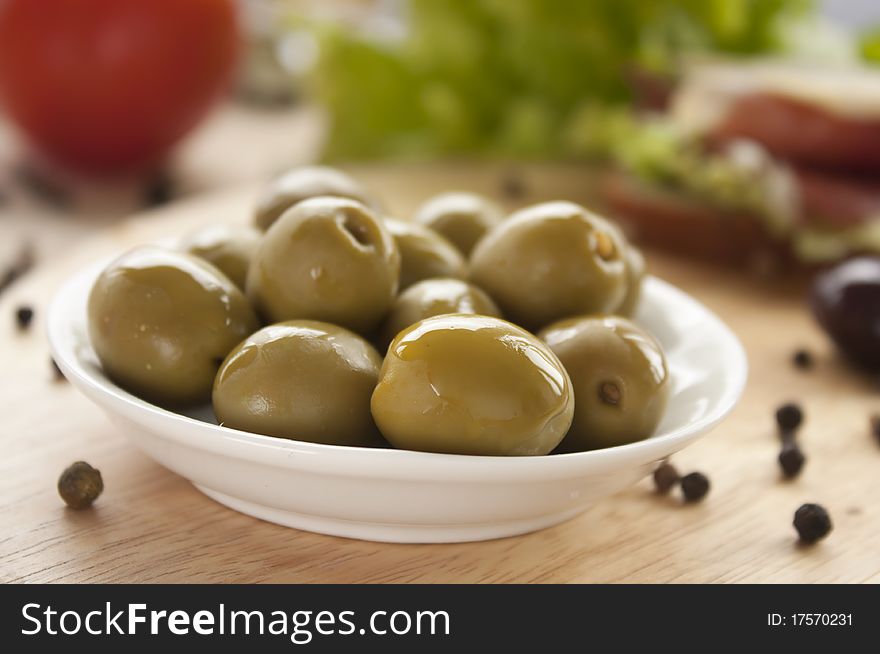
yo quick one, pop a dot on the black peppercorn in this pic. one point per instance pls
(23, 261)
(56, 371)
(23, 317)
(789, 418)
(791, 459)
(8, 277)
(875, 427)
(79, 485)
(694, 486)
(812, 523)
(160, 190)
(512, 186)
(43, 186)
(802, 359)
(665, 477)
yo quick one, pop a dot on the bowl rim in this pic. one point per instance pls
(386, 463)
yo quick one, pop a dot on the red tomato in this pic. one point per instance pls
(803, 133)
(106, 86)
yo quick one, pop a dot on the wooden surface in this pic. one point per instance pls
(152, 526)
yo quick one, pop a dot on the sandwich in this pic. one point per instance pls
(758, 162)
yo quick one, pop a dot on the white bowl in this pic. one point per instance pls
(404, 496)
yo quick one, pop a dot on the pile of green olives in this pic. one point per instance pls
(461, 331)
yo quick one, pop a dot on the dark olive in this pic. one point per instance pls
(846, 302)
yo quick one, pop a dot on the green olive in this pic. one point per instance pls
(620, 376)
(303, 183)
(435, 297)
(466, 384)
(161, 322)
(551, 261)
(303, 379)
(327, 259)
(424, 253)
(463, 218)
(635, 274)
(228, 247)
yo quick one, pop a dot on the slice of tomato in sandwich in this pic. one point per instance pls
(835, 200)
(676, 222)
(802, 133)
(827, 200)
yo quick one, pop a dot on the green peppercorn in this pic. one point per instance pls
(79, 485)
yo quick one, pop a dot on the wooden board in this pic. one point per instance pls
(152, 526)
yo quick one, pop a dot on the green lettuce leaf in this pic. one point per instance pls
(515, 78)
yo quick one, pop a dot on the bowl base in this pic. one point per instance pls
(388, 532)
